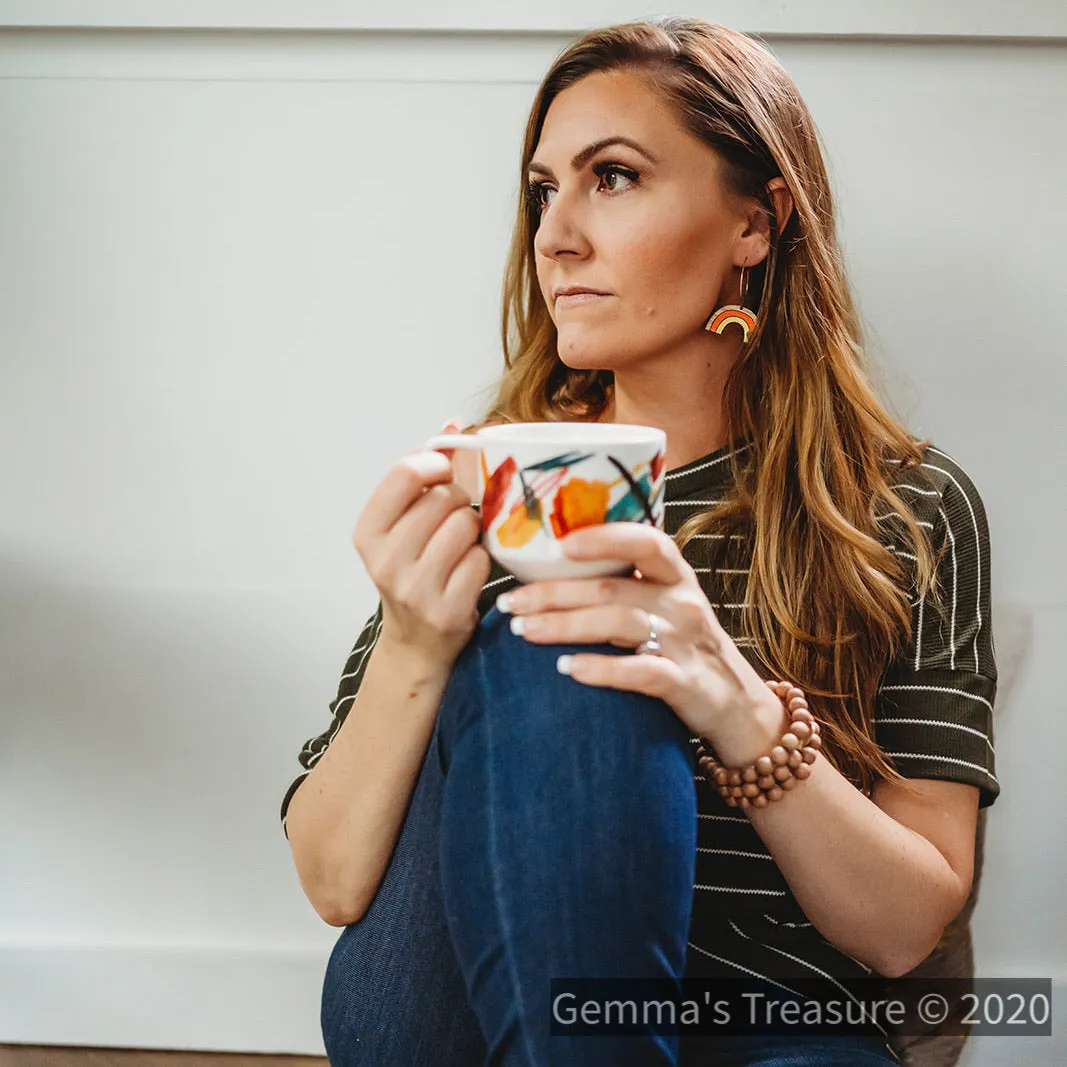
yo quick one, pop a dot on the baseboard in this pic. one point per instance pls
(265, 1000)
(205, 998)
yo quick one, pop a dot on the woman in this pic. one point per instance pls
(483, 822)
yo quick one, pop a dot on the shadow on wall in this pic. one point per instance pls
(105, 664)
(1013, 627)
(133, 722)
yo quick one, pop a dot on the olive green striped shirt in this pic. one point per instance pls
(933, 717)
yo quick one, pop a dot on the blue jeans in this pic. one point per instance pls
(551, 833)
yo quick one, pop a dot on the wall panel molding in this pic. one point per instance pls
(244, 56)
(908, 18)
(379, 57)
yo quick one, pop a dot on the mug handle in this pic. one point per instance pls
(453, 440)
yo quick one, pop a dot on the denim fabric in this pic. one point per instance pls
(551, 833)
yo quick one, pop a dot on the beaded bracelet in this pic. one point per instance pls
(771, 776)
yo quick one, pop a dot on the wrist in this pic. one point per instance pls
(774, 773)
(419, 666)
(751, 732)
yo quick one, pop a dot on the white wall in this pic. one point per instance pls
(225, 257)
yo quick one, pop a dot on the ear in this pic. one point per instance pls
(782, 199)
(755, 241)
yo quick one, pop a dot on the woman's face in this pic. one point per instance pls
(649, 223)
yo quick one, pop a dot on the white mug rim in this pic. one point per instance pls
(546, 433)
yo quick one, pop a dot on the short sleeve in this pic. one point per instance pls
(347, 688)
(934, 707)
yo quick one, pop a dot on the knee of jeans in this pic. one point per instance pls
(508, 674)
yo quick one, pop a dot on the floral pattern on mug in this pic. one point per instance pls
(571, 504)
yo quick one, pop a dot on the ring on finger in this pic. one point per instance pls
(651, 645)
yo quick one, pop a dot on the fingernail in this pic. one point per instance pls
(518, 624)
(503, 603)
(563, 664)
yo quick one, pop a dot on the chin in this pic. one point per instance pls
(588, 354)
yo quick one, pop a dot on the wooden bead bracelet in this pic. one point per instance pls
(771, 776)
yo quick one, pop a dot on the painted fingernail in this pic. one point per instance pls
(518, 624)
(503, 603)
(563, 664)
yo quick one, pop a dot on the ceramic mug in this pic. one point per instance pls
(543, 480)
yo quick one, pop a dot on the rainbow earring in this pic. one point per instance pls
(730, 314)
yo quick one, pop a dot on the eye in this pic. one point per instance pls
(601, 170)
(535, 190)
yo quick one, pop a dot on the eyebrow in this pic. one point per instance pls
(591, 150)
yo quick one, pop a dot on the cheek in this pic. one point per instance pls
(669, 269)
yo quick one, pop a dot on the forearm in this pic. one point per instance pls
(873, 887)
(344, 820)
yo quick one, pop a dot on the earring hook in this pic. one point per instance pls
(734, 314)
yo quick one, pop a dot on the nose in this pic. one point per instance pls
(561, 229)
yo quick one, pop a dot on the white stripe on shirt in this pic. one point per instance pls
(939, 689)
(978, 552)
(945, 759)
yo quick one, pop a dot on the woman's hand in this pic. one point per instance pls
(700, 673)
(420, 541)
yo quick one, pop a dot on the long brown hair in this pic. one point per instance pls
(830, 604)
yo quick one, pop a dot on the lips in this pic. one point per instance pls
(577, 299)
(578, 290)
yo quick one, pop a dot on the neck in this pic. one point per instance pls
(684, 401)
